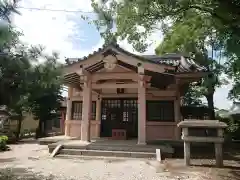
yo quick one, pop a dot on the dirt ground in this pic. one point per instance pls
(34, 159)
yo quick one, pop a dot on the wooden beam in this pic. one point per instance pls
(147, 65)
(114, 85)
(111, 75)
(118, 76)
(97, 91)
(163, 93)
(192, 75)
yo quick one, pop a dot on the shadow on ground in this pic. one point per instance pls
(21, 174)
(28, 141)
(228, 172)
(5, 160)
(231, 169)
(203, 158)
(207, 151)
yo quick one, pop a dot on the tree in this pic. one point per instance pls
(192, 97)
(189, 26)
(23, 85)
(7, 8)
(16, 72)
(45, 92)
(136, 19)
(14, 65)
(194, 35)
(224, 17)
(7, 32)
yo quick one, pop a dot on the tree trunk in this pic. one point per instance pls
(39, 130)
(211, 106)
(19, 126)
(45, 128)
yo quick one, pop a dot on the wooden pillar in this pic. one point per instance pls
(87, 108)
(98, 115)
(177, 110)
(218, 150)
(141, 111)
(177, 114)
(187, 152)
(69, 111)
(62, 121)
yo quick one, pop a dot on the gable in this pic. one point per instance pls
(124, 58)
(113, 59)
(117, 69)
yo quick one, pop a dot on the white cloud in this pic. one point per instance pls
(49, 28)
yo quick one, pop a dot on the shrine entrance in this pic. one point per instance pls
(119, 114)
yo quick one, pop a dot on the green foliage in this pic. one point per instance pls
(192, 97)
(26, 85)
(7, 32)
(105, 22)
(233, 129)
(185, 25)
(7, 8)
(3, 143)
(152, 14)
(193, 35)
(45, 91)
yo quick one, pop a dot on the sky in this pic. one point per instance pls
(68, 34)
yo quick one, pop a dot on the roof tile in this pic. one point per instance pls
(185, 64)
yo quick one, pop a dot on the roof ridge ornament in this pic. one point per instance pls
(110, 60)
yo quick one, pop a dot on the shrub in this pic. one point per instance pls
(3, 143)
(233, 129)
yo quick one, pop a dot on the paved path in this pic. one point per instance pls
(35, 158)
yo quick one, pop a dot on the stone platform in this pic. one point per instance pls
(54, 139)
(107, 147)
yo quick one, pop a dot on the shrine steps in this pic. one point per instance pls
(73, 153)
(111, 150)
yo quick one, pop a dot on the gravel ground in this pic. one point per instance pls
(35, 159)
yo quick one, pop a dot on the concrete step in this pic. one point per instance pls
(132, 148)
(47, 142)
(107, 158)
(114, 148)
(84, 152)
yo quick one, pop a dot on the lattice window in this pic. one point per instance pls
(160, 111)
(125, 116)
(77, 110)
(129, 109)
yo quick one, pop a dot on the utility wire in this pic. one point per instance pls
(55, 10)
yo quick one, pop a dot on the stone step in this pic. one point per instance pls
(114, 148)
(134, 148)
(104, 153)
(47, 142)
(82, 157)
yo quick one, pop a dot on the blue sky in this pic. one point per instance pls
(71, 36)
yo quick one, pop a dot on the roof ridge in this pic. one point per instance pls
(104, 46)
(181, 64)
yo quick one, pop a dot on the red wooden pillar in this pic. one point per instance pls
(62, 122)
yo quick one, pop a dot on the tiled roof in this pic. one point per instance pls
(185, 64)
(175, 59)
